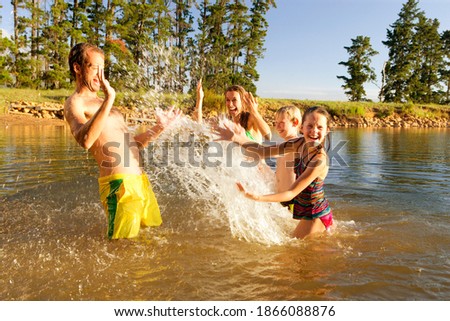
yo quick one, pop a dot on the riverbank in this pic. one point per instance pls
(17, 105)
(27, 115)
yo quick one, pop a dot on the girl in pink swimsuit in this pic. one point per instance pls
(310, 205)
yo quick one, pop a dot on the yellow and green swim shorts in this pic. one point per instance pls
(129, 202)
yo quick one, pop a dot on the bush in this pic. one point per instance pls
(213, 104)
(408, 108)
(385, 112)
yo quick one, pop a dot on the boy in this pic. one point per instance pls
(100, 128)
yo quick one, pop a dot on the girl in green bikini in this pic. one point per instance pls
(242, 109)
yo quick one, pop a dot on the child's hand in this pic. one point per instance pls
(167, 117)
(246, 194)
(200, 93)
(251, 102)
(240, 187)
(104, 85)
(227, 130)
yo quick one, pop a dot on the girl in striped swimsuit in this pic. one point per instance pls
(310, 205)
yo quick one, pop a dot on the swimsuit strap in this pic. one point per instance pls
(249, 135)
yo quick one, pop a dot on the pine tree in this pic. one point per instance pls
(428, 60)
(183, 20)
(27, 43)
(55, 46)
(255, 48)
(216, 73)
(445, 69)
(358, 67)
(135, 27)
(398, 71)
(199, 46)
(94, 26)
(238, 35)
(6, 61)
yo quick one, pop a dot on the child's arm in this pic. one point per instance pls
(257, 121)
(164, 120)
(198, 111)
(256, 150)
(85, 131)
(314, 170)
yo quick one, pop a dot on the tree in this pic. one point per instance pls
(55, 46)
(198, 46)
(6, 61)
(147, 44)
(445, 70)
(229, 43)
(428, 60)
(183, 21)
(135, 27)
(216, 73)
(255, 47)
(358, 67)
(33, 25)
(238, 35)
(398, 70)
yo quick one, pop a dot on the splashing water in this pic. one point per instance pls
(187, 161)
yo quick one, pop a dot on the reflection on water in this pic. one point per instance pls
(404, 170)
(34, 155)
(390, 243)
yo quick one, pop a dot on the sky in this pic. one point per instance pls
(306, 39)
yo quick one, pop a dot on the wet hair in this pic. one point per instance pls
(317, 109)
(237, 88)
(291, 111)
(78, 54)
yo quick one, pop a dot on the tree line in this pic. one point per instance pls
(418, 68)
(161, 44)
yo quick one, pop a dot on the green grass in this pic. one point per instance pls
(8, 95)
(214, 104)
(362, 109)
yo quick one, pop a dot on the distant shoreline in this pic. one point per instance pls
(394, 121)
(45, 107)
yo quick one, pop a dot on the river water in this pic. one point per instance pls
(389, 190)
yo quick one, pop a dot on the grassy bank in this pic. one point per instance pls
(8, 95)
(214, 104)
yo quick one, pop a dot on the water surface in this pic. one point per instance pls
(389, 190)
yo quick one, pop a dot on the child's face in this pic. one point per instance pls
(90, 70)
(234, 103)
(285, 126)
(315, 128)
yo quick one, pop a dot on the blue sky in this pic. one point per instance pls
(306, 39)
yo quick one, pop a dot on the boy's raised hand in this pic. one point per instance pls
(104, 85)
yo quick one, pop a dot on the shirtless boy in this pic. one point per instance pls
(97, 126)
(287, 124)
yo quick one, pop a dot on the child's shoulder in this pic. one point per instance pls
(320, 159)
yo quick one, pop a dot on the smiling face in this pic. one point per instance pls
(314, 127)
(286, 127)
(234, 103)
